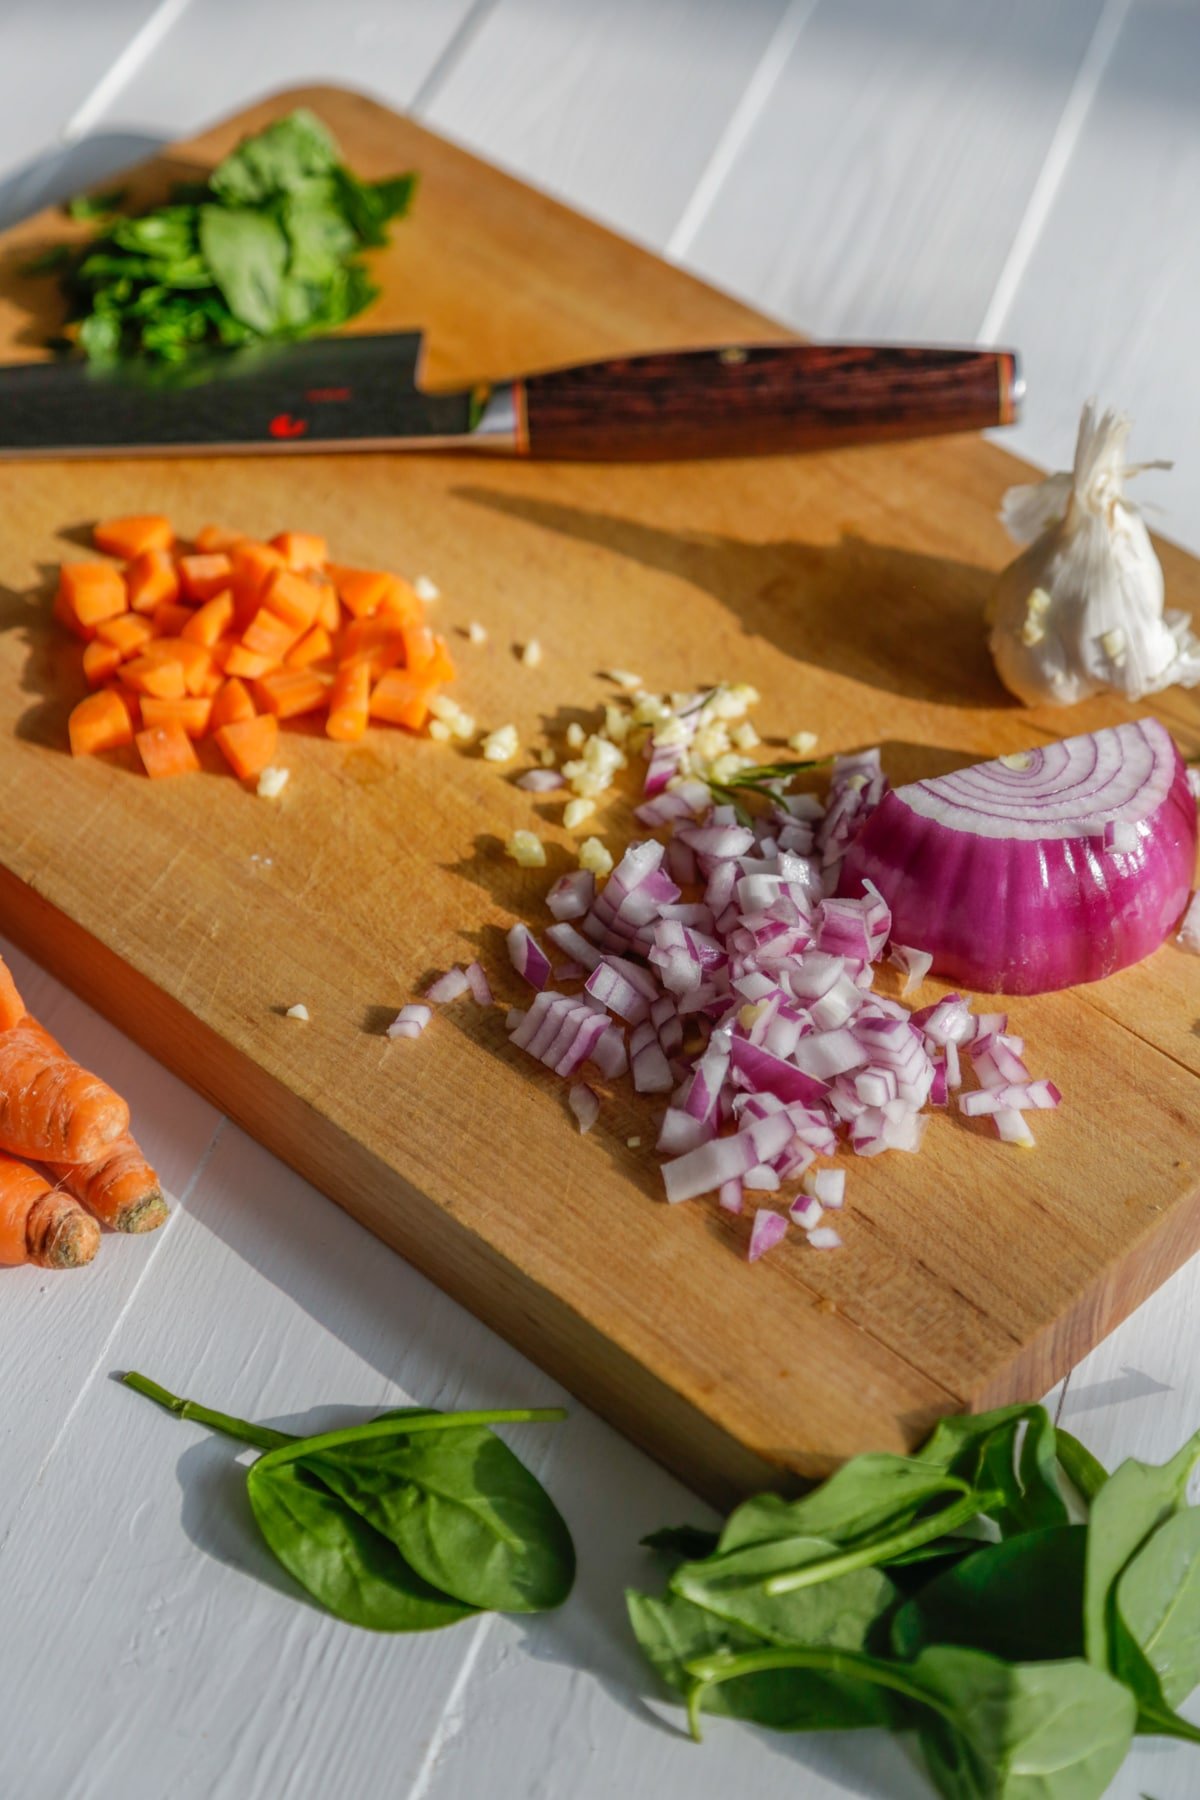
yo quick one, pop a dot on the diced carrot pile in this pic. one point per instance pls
(230, 637)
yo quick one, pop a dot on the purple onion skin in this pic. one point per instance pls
(1027, 916)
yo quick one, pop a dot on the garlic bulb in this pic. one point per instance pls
(1081, 610)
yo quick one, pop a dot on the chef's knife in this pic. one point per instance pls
(361, 392)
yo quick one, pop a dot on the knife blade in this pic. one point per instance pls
(361, 392)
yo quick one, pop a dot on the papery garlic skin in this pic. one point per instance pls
(1081, 610)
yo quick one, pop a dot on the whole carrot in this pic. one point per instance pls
(50, 1108)
(39, 1223)
(119, 1187)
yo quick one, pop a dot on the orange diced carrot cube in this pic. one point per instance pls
(378, 640)
(210, 621)
(151, 579)
(269, 635)
(313, 647)
(292, 598)
(132, 537)
(166, 750)
(248, 663)
(128, 632)
(64, 612)
(440, 667)
(130, 701)
(170, 618)
(194, 659)
(349, 702)
(329, 607)
(160, 676)
(193, 713)
(402, 699)
(101, 722)
(418, 646)
(400, 601)
(210, 684)
(302, 549)
(248, 745)
(232, 703)
(93, 591)
(362, 591)
(215, 538)
(204, 576)
(287, 692)
(253, 565)
(100, 661)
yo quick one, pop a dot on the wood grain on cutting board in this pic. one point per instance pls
(848, 588)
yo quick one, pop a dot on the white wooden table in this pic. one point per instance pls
(1025, 170)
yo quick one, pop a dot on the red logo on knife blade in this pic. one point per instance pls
(284, 426)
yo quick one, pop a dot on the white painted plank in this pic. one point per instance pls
(54, 1324)
(221, 54)
(614, 107)
(52, 67)
(887, 173)
(1107, 302)
(135, 1583)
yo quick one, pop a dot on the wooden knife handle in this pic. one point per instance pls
(743, 401)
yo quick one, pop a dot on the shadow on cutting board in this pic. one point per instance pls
(795, 595)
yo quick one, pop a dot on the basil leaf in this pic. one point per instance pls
(274, 161)
(1021, 1599)
(463, 1510)
(338, 1558)
(672, 1632)
(247, 254)
(1135, 1500)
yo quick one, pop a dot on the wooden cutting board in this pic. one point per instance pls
(848, 588)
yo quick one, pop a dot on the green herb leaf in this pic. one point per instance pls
(681, 1543)
(1157, 1606)
(247, 254)
(1021, 1599)
(735, 1586)
(95, 206)
(865, 1495)
(275, 161)
(1010, 1450)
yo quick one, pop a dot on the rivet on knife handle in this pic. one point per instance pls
(747, 400)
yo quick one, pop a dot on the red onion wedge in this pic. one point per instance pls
(1014, 874)
(527, 957)
(768, 1229)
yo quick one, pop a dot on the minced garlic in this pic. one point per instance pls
(501, 745)
(477, 633)
(803, 742)
(593, 856)
(575, 735)
(272, 782)
(531, 654)
(624, 679)
(426, 590)
(526, 849)
(576, 811)
(299, 1011)
(439, 731)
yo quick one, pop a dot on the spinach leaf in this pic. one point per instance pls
(1021, 1599)
(1134, 1501)
(735, 1586)
(461, 1509)
(247, 255)
(991, 1730)
(673, 1632)
(345, 1564)
(408, 1522)
(681, 1543)
(1157, 1606)
(864, 1495)
(1010, 1450)
(275, 160)
(1081, 1468)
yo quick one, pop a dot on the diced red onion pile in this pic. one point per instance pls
(724, 973)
